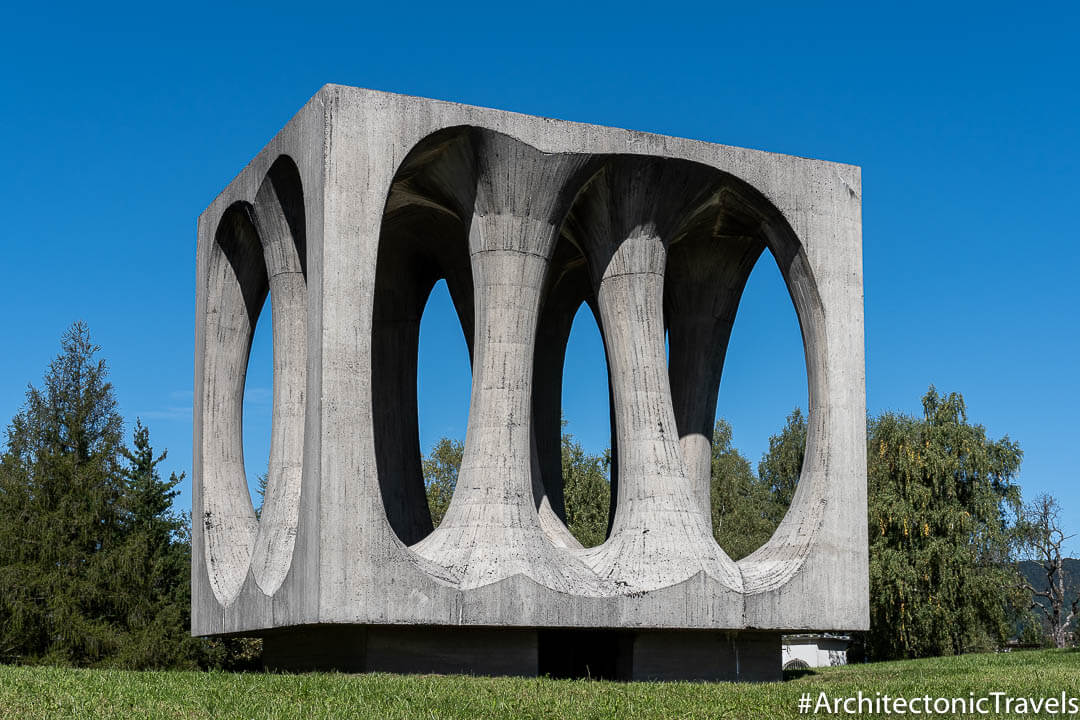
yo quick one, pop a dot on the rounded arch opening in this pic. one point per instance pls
(422, 267)
(258, 408)
(280, 217)
(237, 288)
(760, 423)
(443, 387)
(711, 264)
(586, 432)
(436, 187)
(258, 252)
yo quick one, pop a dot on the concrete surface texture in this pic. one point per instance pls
(347, 219)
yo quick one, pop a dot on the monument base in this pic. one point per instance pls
(698, 655)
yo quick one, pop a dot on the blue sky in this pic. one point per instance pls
(121, 123)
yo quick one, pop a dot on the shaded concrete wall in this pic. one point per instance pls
(347, 219)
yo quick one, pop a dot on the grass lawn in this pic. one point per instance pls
(44, 692)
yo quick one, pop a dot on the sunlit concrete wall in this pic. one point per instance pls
(347, 219)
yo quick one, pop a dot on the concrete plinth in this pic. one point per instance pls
(421, 650)
(581, 653)
(687, 655)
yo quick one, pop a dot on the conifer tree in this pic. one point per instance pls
(153, 565)
(60, 514)
(94, 563)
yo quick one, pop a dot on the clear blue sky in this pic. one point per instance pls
(120, 125)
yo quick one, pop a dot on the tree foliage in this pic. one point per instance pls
(940, 495)
(440, 476)
(781, 466)
(94, 565)
(586, 492)
(585, 486)
(153, 565)
(61, 515)
(744, 513)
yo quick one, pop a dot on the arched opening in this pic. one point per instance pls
(423, 276)
(259, 407)
(254, 384)
(280, 218)
(760, 429)
(443, 385)
(237, 289)
(716, 274)
(410, 267)
(586, 432)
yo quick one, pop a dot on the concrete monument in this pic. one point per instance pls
(346, 220)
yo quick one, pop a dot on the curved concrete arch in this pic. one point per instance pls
(777, 561)
(624, 212)
(413, 256)
(714, 260)
(237, 288)
(716, 252)
(259, 250)
(422, 239)
(282, 228)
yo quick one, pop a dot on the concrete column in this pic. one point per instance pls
(659, 535)
(491, 530)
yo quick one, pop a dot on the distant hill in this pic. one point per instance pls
(1035, 575)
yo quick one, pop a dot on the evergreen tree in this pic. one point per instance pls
(153, 565)
(61, 516)
(94, 564)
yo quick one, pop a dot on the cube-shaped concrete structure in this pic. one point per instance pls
(346, 220)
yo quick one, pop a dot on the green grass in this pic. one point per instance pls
(45, 692)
